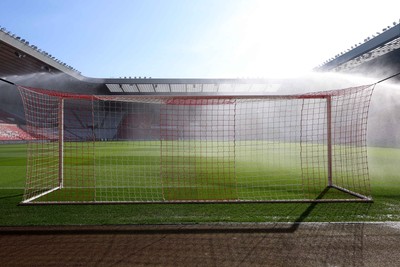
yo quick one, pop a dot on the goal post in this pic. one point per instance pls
(61, 142)
(329, 138)
(212, 148)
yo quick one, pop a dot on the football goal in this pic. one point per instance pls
(210, 148)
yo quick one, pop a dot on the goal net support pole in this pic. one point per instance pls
(61, 143)
(173, 149)
(329, 138)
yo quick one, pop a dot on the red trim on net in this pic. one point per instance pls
(59, 94)
(200, 101)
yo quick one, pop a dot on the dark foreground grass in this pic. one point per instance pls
(384, 180)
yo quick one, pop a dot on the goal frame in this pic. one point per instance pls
(330, 183)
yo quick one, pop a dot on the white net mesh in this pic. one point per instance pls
(309, 147)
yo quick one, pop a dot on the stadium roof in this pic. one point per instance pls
(18, 57)
(190, 85)
(371, 49)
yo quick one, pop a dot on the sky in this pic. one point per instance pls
(196, 38)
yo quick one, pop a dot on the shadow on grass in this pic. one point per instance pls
(313, 212)
(11, 196)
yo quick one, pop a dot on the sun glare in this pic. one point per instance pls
(264, 41)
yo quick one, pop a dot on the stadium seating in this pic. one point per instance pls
(9, 132)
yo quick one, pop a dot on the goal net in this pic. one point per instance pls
(168, 149)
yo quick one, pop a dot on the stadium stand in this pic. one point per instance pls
(9, 129)
(10, 132)
(138, 126)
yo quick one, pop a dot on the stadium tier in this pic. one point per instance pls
(10, 130)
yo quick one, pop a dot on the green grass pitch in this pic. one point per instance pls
(154, 171)
(383, 166)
